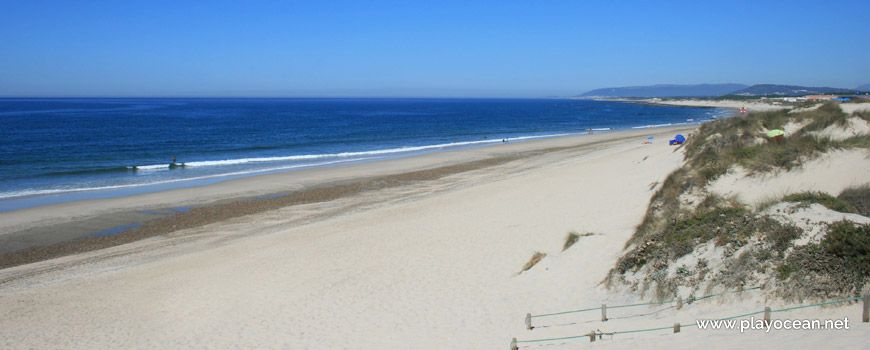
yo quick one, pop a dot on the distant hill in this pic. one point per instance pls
(865, 87)
(666, 90)
(786, 90)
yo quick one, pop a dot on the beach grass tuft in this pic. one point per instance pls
(829, 201)
(858, 198)
(572, 238)
(536, 258)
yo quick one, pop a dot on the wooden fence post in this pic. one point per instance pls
(514, 344)
(677, 327)
(767, 316)
(679, 303)
(592, 336)
(603, 312)
(866, 317)
(529, 321)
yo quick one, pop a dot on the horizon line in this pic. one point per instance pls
(288, 97)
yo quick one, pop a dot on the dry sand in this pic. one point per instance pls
(831, 173)
(751, 106)
(423, 265)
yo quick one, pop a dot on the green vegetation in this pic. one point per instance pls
(863, 114)
(681, 237)
(839, 266)
(725, 143)
(741, 141)
(676, 223)
(822, 198)
(858, 198)
(727, 226)
(850, 242)
(784, 271)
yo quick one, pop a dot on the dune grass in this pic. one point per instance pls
(858, 198)
(838, 266)
(536, 258)
(673, 227)
(572, 238)
(740, 141)
(822, 198)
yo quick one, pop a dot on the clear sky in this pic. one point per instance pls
(422, 49)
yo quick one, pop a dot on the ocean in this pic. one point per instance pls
(57, 150)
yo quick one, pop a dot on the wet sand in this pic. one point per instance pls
(410, 253)
(36, 234)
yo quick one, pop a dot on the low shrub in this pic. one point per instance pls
(850, 242)
(839, 266)
(831, 202)
(858, 198)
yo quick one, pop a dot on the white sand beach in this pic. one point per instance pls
(751, 106)
(430, 265)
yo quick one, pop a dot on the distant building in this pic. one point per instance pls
(820, 97)
(794, 99)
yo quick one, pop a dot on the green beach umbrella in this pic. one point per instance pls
(775, 133)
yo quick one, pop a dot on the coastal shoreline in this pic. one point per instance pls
(751, 106)
(84, 169)
(403, 253)
(39, 233)
(447, 244)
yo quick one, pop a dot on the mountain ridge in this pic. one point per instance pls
(787, 90)
(665, 90)
(713, 90)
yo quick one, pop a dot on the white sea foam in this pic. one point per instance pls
(345, 157)
(389, 151)
(152, 167)
(25, 193)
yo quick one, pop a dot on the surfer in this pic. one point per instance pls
(173, 159)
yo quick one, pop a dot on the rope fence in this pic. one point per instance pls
(604, 307)
(677, 327)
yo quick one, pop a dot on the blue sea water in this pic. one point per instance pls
(54, 150)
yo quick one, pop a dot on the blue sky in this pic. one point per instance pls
(415, 49)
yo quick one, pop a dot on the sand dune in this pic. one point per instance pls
(431, 265)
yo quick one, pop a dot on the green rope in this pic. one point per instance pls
(640, 304)
(643, 330)
(649, 303)
(567, 312)
(552, 339)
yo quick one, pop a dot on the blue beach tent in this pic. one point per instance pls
(679, 139)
